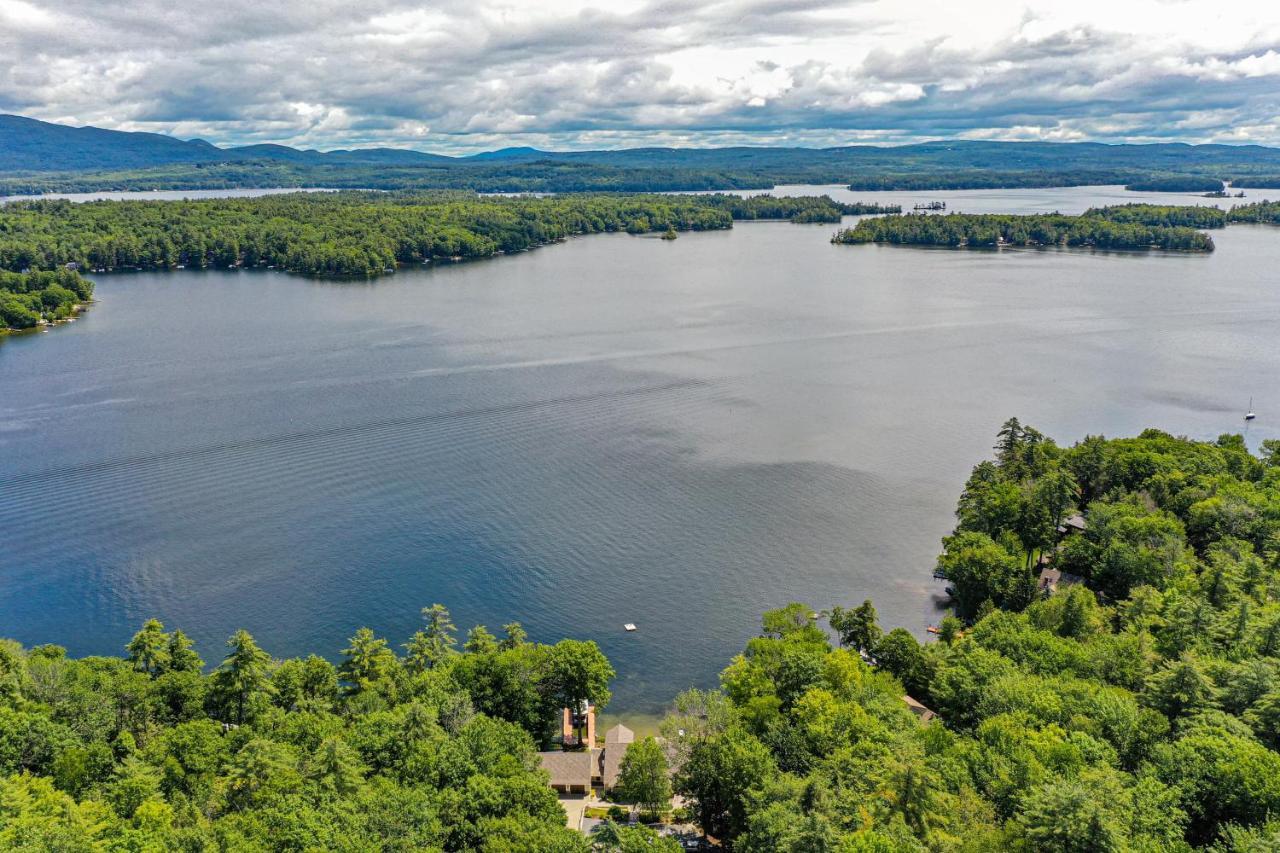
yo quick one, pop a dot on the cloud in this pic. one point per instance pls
(460, 76)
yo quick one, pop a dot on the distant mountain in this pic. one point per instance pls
(523, 153)
(39, 157)
(283, 153)
(39, 146)
(30, 145)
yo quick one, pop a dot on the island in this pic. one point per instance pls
(1134, 227)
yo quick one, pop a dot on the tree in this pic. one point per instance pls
(430, 646)
(182, 654)
(480, 641)
(1051, 496)
(261, 771)
(1180, 688)
(795, 619)
(577, 671)
(720, 777)
(949, 629)
(1264, 718)
(643, 778)
(901, 654)
(337, 767)
(859, 629)
(367, 663)
(515, 635)
(612, 838)
(243, 675)
(149, 648)
(978, 569)
(1067, 817)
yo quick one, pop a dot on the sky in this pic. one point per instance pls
(459, 77)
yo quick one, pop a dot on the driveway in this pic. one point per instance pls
(574, 805)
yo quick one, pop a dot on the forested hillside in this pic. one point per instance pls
(355, 233)
(1137, 709)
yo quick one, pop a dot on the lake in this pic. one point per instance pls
(616, 429)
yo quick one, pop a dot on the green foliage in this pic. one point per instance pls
(1095, 229)
(643, 775)
(29, 298)
(1135, 709)
(1263, 211)
(329, 234)
(147, 753)
(1167, 215)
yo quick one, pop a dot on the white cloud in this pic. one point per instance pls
(466, 76)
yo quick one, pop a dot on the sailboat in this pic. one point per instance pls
(1249, 415)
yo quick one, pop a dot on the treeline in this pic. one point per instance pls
(30, 298)
(432, 749)
(324, 233)
(927, 166)
(1045, 229)
(1165, 215)
(1135, 710)
(1263, 211)
(1177, 184)
(1256, 182)
(988, 179)
(795, 208)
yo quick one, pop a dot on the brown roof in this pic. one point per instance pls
(918, 708)
(619, 734)
(568, 768)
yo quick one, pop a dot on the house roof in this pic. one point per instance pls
(918, 708)
(568, 768)
(619, 734)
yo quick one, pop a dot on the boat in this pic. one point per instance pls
(1250, 415)
(630, 626)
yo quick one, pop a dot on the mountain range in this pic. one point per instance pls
(38, 156)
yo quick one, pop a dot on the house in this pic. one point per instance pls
(616, 741)
(1051, 579)
(923, 714)
(1072, 524)
(577, 771)
(571, 772)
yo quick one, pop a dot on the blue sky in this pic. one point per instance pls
(457, 77)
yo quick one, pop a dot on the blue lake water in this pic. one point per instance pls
(617, 429)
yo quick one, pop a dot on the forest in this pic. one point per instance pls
(431, 749)
(354, 233)
(1124, 227)
(1133, 705)
(1263, 211)
(1164, 215)
(29, 298)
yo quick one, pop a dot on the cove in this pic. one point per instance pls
(617, 429)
